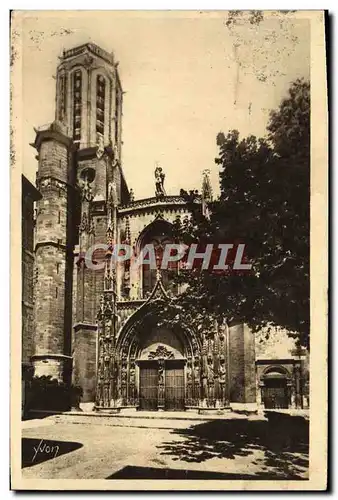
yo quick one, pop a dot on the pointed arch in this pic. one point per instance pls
(158, 233)
(145, 333)
(149, 315)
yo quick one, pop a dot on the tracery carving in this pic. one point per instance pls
(86, 191)
(148, 202)
(91, 228)
(161, 382)
(84, 225)
(50, 182)
(107, 367)
(161, 352)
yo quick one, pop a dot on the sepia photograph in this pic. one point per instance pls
(169, 329)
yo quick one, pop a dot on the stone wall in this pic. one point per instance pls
(84, 361)
(29, 194)
(242, 364)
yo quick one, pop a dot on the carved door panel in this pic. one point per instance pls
(148, 386)
(174, 387)
(275, 394)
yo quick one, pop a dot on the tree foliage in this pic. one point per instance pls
(264, 203)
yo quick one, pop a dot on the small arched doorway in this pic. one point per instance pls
(275, 389)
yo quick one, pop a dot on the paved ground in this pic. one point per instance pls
(234, 447)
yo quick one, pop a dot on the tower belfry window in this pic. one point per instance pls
(77, 105)
(100, 104)
(62, 103)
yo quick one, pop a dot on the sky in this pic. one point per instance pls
(187, 76)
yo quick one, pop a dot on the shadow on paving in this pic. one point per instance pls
(136, 472)
(283, 439)
(36, 451)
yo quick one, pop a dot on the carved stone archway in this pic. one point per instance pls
(135, 346)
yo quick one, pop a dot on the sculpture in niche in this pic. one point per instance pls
(132, 382)
(99, 392)
(123, 375)
(161, 373)
(112, 193)
(132, 374)
(161, 382)
(210, 374)
(197, 376)
(222, 380)
(108, 280)
(87, 177)
(106, 394)
(91, 227)
(100, 146)
(222, 374)
(195, 347)
(116, 156)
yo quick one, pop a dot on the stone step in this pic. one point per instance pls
(146, 419)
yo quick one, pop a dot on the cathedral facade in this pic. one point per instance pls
(102, 327)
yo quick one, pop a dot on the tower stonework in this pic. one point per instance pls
(53, 253)
(89, 97)
(242, 364)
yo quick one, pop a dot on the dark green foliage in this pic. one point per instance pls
(264, 203)
(45, 393)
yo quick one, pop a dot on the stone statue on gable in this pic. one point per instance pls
(159, 181)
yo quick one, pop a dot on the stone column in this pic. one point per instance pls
(53, 255)
(298, 386)
(108, 366)
(197, 382)
(132, 383)
(123, 380)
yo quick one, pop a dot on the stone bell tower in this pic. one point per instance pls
(89, 98)
(89, 103)
(79, 162)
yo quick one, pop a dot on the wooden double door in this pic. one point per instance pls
(170, 380)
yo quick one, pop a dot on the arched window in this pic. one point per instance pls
(100, 103)
(77, 105)
(159, 234)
